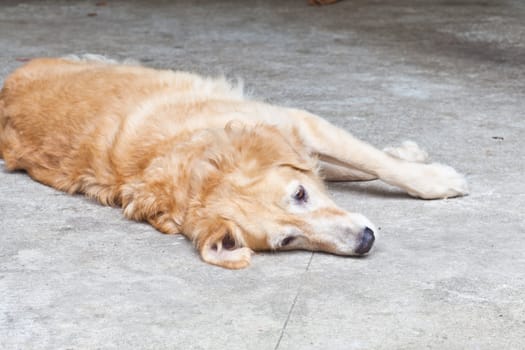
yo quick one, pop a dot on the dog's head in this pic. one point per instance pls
(260, 190)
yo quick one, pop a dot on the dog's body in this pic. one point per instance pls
(191, 155)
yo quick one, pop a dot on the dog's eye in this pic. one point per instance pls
(300, 195)
(287, 241)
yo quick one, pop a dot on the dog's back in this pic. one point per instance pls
(70, 123)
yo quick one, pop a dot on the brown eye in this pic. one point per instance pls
(287, 241)
(300, 194)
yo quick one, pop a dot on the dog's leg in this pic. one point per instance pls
(332, 172)
(408, 151)
(336, 146)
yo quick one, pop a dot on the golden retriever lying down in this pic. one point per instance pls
(191, 155)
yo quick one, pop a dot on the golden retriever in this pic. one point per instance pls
(192, 155)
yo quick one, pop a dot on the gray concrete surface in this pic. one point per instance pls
(444, 275)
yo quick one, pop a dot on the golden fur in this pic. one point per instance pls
(191, 155)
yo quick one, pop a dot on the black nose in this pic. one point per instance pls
(366, 242)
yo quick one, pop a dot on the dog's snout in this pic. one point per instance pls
(365, 241)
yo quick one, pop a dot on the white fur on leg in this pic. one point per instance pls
(428, 181)
(432, 181)
(408, 151)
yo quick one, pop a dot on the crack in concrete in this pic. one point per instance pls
(294, 302)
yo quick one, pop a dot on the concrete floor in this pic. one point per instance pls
(444, 275)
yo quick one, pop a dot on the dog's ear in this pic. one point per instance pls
(219, 245)
(262, 146)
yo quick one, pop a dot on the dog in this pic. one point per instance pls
(192, 155)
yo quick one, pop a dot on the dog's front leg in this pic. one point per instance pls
(332, 172)
(338, 147)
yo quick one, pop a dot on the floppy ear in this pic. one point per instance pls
(219, 246)
(262, 146)
(303, 160)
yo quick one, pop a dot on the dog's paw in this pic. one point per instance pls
(437, 181)
(408, 151)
